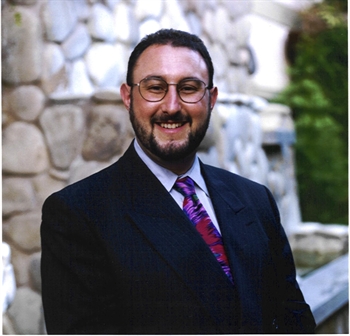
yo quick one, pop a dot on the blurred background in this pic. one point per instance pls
(281, 67)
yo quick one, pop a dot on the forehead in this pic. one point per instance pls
(171, 63)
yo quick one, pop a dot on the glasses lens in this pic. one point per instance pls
(153, 89)
(191, 90)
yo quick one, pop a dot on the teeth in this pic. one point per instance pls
(170, 125)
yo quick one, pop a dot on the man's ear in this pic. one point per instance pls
(213, 96)
(125, 93)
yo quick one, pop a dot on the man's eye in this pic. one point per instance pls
(188, 89)
(154, 86)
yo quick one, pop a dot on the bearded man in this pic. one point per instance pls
(160, 243)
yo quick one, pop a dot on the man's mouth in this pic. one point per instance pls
(170, 125)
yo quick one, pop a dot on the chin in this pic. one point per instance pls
(173, 151)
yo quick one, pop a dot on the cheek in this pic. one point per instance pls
(143, 109)
(199, 113)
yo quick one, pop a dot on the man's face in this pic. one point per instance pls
(169, 130)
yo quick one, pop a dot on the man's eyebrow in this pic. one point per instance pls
(189, 78)
(153, 76)
(182, 79)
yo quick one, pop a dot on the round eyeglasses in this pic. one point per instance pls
(154, 89)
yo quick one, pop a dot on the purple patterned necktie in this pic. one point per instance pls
(196, 212)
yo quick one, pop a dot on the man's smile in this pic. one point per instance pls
(171, 125)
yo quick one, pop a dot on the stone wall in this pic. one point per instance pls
(62, 64)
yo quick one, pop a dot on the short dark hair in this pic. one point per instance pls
(175, 38)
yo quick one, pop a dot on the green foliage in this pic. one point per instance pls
(318, 96)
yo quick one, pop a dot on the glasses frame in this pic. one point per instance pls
(177, 90)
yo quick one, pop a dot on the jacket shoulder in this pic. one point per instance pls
(226, 176)
(244, 189)
(108, 180)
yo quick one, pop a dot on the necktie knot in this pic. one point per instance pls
(185, 186)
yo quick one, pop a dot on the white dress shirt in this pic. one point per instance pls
(167, 178)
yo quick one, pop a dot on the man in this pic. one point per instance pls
(120, 254)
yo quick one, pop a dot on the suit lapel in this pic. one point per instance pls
(173, 236)
(244, 240)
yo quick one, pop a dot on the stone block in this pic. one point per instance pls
(102, 64)
(222, 24)
(125, 24)
(82, 9)
(77, 43)
(23, 150)
(44, 185)
(59, 175)
(8, 290)
(17, 195)
(232, 50)
(276, 117)
(173, 16)
(220, 60)
(60, 18)
(232, 80)
(26, 312)
(289, 210)
(200, 6)
(79, 82)
(24, 2)
(276, 183)
(241, 29)
(34, 271)
(237, 8)
(54, 74)
(101, 23)
(6, 116)
(107, 132)
(24, 231)
(21, 45)
(20, 262)
(27, 102)
(107, 96)
(7, 325)
(149, 26)
(316, 244)
(63, 127)
(194, 23)
(207, 26)
(81, 169)
(112, 3)
(143, 10)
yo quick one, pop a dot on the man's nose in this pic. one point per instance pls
(171, 101)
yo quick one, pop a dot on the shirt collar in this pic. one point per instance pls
(167, 177)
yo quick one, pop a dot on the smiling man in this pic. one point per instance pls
(159, 243)
(170, 111)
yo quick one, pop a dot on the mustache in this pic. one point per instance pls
(177, 117)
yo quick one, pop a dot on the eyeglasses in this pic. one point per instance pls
(154, 89)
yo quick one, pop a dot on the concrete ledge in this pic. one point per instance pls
(275, 11)
(315, 244)
(326, 289)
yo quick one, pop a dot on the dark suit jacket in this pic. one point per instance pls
(120, 256)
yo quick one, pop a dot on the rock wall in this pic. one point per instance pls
(62, 65)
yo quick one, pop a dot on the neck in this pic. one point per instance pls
(178, 167)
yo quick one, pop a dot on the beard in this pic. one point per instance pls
(171, 151)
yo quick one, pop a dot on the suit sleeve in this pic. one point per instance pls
(75, 274)
(294, 314)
